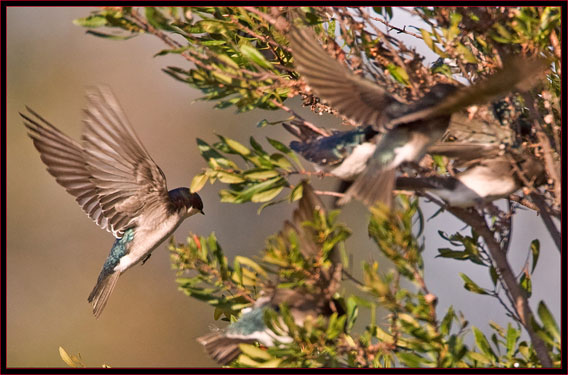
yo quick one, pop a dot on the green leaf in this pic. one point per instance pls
(110, 36)
(483, 344)
(246, 195)
(221, 77)
(281, 161)
(548, 321)
(198, 182)
(268, 204)
(446, 324)
(279, 146)
(454, 254)
(259, 174)
(228, 61)
(229, 178)
(252, 264)
(471, 286)
(427, 37)
(266, 195)
(213, 43)
(535, 250)
(466, 53)
(526, 283)
(95, 20)
(236, 146)
(479, 358)
(253, 54)
(283, 148)
(262, 123)
(173, 50)
(411, 360)
(254, 352)
(156, 18)
(297, 192)
(257, 147)
(512, 338)
(398, 73)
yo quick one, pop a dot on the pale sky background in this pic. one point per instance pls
(55, 251)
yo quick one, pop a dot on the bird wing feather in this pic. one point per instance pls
(111, 175)
(127, 178)
(352, 96)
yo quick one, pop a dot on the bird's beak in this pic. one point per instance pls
(202, 213)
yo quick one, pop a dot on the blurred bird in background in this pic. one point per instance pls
(489, 174)
(116, 183)
(314, 299)
(406, 130)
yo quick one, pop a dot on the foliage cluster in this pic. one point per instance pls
(239, 57)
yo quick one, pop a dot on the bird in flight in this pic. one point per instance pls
(116, 183)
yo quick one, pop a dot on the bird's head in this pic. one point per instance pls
(185, 201)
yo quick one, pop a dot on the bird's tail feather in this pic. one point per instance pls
(343, 186)
(102, 291)
(375, 184)
(303, 133)
(220, 348)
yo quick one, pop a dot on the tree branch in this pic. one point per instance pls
(477, 222)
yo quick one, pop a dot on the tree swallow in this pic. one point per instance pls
(409, 128)
(317, 300)
(343, 153)
(116, 183)
(222, 346)
(487, 176)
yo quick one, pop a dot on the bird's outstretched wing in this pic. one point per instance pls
(126, 177)
(65, 161)
(111, 174)
(517, 73)
(354, 97)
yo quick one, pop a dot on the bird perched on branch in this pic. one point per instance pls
(301, 302)
(489, 174)
(116, 183)
(408, 128)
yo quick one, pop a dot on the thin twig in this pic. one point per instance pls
(329, 193)
(352, 278)
(543, 209)
(397, 29)
(304, 122)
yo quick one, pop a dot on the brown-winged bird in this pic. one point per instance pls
(116, 183)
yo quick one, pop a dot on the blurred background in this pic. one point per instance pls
(55, 252)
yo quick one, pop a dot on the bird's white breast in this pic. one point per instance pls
(147, 238)
(486, 183)
(355, 163)
(477, 185)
